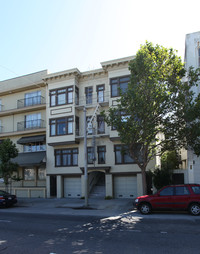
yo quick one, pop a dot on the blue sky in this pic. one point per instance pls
(62, 34)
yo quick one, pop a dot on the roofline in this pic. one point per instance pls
(59, 74)
(26, 75)
(117, 61)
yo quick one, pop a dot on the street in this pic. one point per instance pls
(39, 233)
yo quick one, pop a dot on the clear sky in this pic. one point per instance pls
(62, 34)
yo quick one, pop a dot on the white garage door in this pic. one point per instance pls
(72, 187)
(125, 186)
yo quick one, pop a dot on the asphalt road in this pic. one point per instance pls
(39, 234)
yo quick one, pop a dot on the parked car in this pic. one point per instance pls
(6, 199)
(172, 197)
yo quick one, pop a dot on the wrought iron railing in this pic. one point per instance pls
(29, 125)
(32, 101)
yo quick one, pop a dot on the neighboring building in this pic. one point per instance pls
(23, 120)
(43, 114)
(67, 94)
(192, 58)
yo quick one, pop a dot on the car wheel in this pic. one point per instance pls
(194, 209)
(145, 208)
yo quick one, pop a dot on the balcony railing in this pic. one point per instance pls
(30, 125)
(32, 101)
(95, 132)
(92, 100)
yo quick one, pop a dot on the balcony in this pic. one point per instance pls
(99, 132)
(91, 101)
(31, 125)
(32, 101)
(23, 106)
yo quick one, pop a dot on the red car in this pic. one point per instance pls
(172, 197)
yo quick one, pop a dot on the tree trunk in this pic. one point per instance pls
(144, 181)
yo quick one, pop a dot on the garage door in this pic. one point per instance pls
(72, 187)
(125, 186)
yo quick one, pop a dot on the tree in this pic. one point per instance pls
(8, 151)
(156, 102)
(163, 176)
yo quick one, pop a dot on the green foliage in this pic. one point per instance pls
(156, 101)
(170, 160)
(8, 151)
(163, 176)
(108, 198)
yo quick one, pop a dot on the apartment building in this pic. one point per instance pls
(68, 93)
(192, 58)
(43, 114)
(23, 120)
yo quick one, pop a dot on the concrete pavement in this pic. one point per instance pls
(108, 209)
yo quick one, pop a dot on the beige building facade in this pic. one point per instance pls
(68, 93)
(23, 120)
(43, 114)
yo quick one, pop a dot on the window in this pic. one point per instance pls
(90, 155)
(34, 147)
(88, 94)
(66, 157)
(61, 126)
(181, 190)
(76, 95)
(0, 105)
(169, 191)
(196, 189)
(33, 121)
(33, 98)
(77, 125)
(123, 115)
(100, 93)
(100, 125)
(119, 85)
(61, 96)
(101, 150)
(122, 155)
(41, 173)
(29, 174)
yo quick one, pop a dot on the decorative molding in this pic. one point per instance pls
(61, 111)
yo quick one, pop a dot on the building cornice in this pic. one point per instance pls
(116, 62)
(62, 74)
(75, 73)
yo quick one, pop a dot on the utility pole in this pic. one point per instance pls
(85, 158)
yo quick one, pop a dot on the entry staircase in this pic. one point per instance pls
(99, 189)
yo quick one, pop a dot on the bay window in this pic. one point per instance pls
(61, 96)
(66, 157)
(119, 85)
(61, 126)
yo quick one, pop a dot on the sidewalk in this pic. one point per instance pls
(99, 207)
(72, 206)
